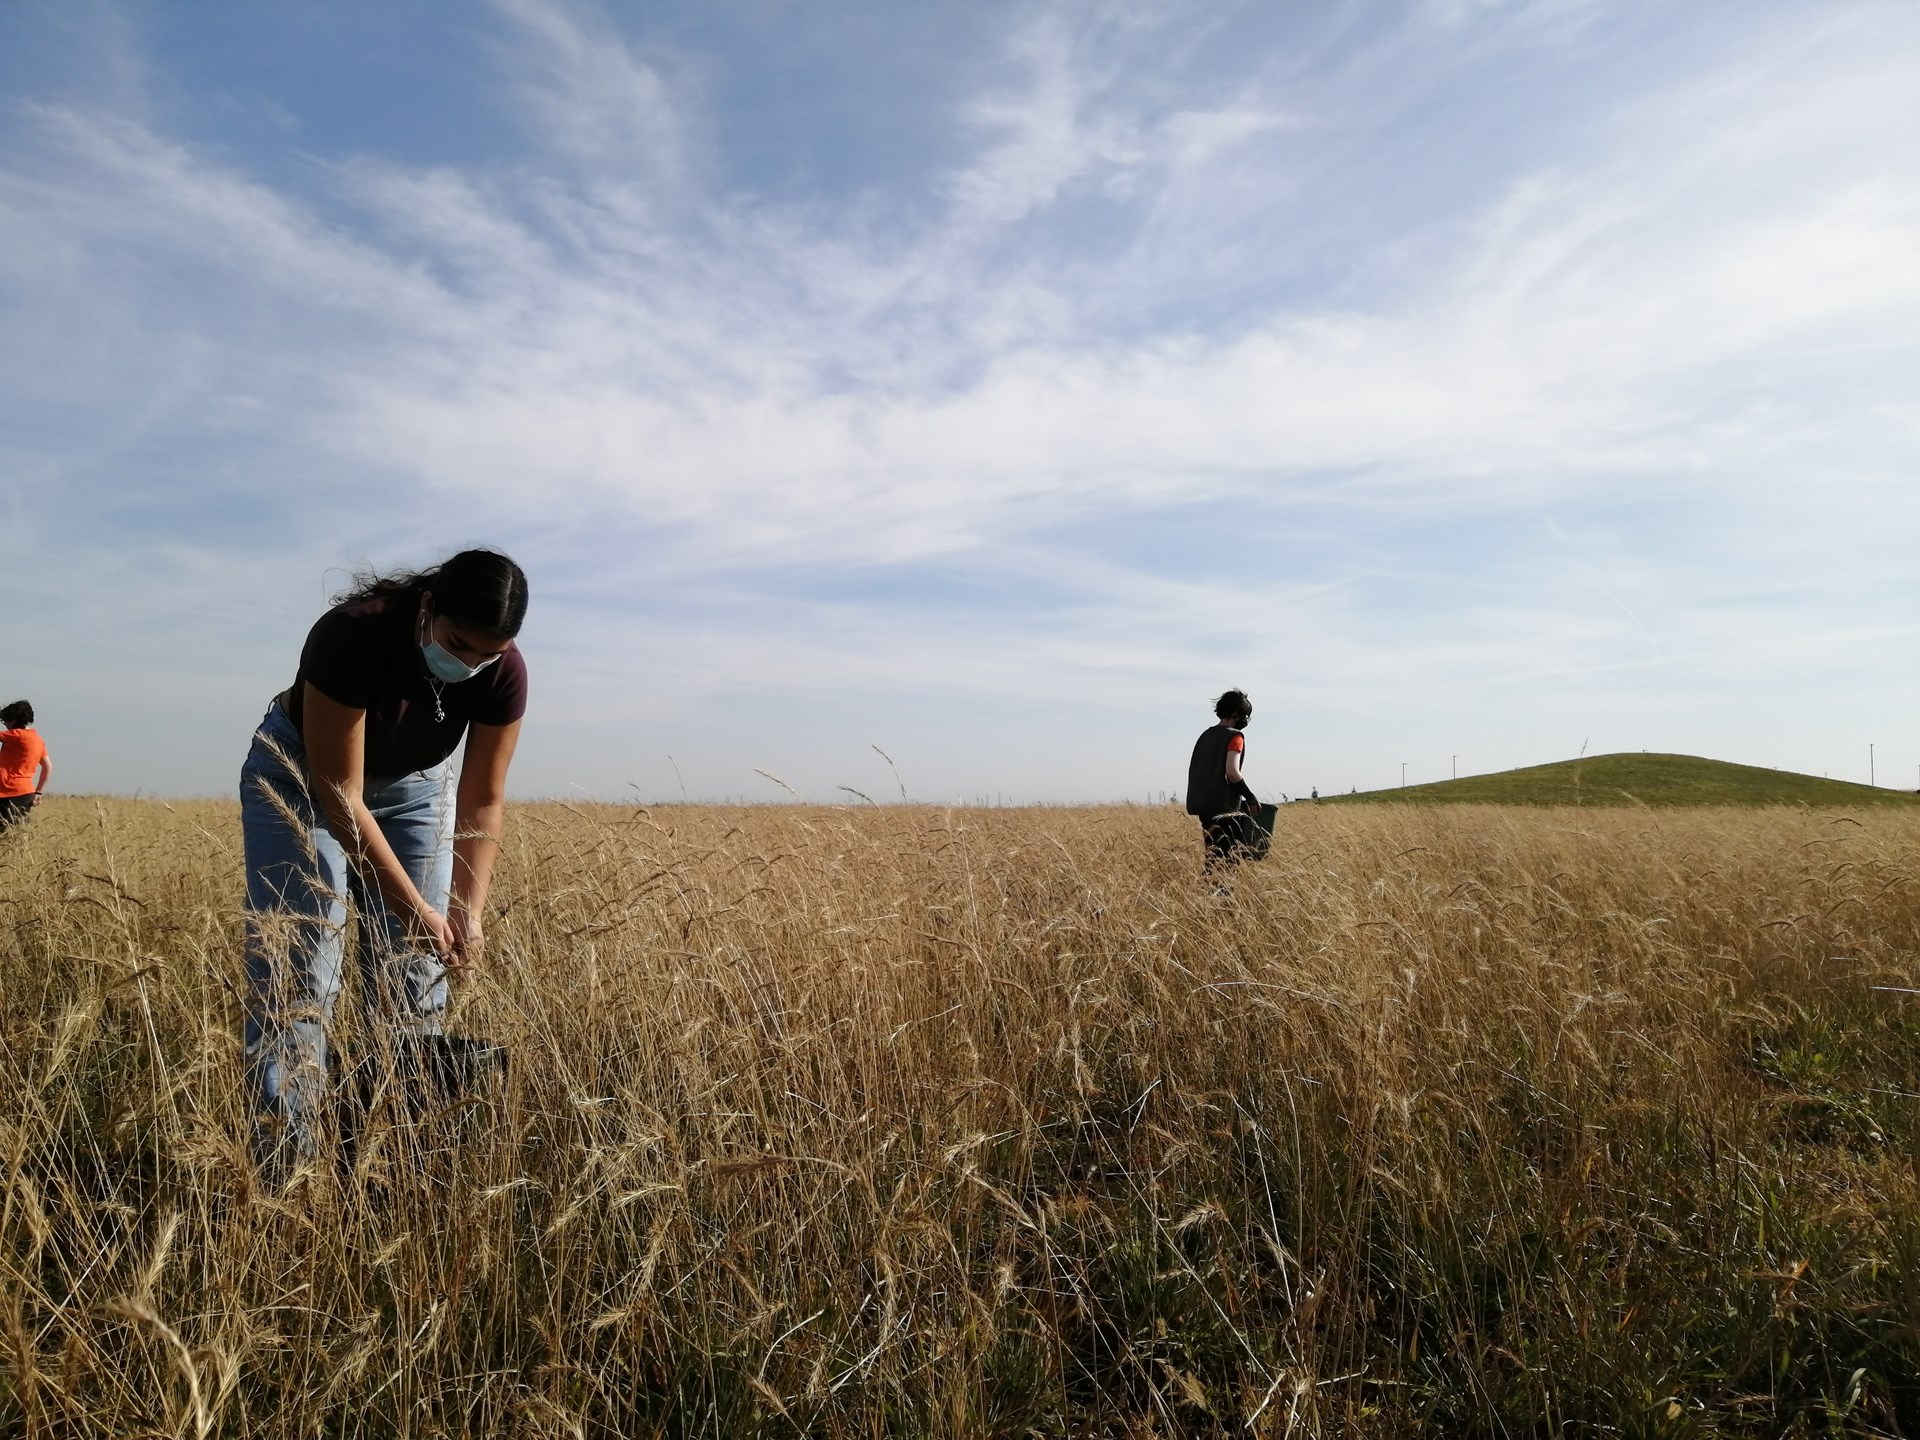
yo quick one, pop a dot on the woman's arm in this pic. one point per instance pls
(1236, 781)
(479, 812)
(46, 774)
(336, 739)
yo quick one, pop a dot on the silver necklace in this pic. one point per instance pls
(439, 710)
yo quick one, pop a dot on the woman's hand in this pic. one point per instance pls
(439, 934)
(468, 937)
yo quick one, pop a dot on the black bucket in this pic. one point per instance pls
(430, 1072)
(1262, 839)
(450, 1068)
(1253, 834)
(431, 1084)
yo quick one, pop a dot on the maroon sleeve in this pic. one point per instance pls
(505, 700)
(337, 660)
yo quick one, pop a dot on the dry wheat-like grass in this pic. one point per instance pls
(907, 1121)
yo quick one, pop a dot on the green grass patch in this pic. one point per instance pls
(1637, 779)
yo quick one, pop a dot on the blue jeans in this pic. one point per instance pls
(298, 883)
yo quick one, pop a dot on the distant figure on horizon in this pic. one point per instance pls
(24, 767)
(1217, 792)
(349, 789)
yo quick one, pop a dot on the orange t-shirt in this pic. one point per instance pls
(21, 752)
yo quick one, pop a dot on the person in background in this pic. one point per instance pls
(24, 767)
(349, 789)
(1217, 791)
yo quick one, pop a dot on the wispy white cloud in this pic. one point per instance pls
(594, 96)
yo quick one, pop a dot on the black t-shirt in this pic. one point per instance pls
(366, 655)
(1208, 793)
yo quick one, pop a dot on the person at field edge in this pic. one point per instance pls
(1217, 792)
(24, 766)
(349, 789)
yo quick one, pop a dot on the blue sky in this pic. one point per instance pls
(989, 383)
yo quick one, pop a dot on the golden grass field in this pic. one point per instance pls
(922, 1122)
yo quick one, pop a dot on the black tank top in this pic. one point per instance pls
(1208, 793)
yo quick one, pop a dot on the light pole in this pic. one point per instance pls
(1403, 774)
(1456, 767)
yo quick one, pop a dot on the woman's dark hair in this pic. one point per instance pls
(477, 589)
(1232, 705)
(17, 714)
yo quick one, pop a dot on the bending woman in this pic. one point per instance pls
(348, 789)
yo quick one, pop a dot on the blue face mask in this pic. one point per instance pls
(445, 666)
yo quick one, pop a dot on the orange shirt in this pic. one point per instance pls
(21, 752)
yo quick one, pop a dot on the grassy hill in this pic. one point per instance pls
(1637, 778)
